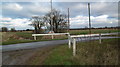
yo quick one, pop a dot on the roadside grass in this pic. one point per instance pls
(13, 41)
(25, 37)
(88, 53)
(61, 55)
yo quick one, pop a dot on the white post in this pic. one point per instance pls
(69, 41)
(100, 38)
(74, 47)
(34, 37)
(52, 37)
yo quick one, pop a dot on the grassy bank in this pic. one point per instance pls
(88, 53)
(25, 37)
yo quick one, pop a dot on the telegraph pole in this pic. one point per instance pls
(89, 18)
(51, 18)
(51, 21)
(68, 21)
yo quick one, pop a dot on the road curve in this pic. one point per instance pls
(42, 44)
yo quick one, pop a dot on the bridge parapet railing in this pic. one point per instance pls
(72, 39)
(35, 35)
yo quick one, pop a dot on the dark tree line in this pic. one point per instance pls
(5, 29)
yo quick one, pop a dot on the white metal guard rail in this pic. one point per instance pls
(73, 40)
(49, 34)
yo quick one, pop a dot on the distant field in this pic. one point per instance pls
(26, 36)
(76, 32)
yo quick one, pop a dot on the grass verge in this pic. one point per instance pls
(25, 37)
(88, 53)
(25, 41)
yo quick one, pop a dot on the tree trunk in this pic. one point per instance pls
(35, 30)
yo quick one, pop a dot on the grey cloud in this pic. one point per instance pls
(60, 0)
(81, 8)
(76, 9)
(28, 10)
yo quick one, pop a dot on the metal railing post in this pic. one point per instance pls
(52, 37)
(74, 47)
(35, 38)
(69, 41)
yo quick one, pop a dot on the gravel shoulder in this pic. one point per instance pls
(24, 57)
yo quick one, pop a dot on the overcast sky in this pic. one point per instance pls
(17, 14)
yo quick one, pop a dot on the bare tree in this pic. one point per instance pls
(59, 20)
(37, 23)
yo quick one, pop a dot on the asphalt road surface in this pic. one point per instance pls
(43, 44)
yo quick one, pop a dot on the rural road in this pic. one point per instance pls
(43, 44)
